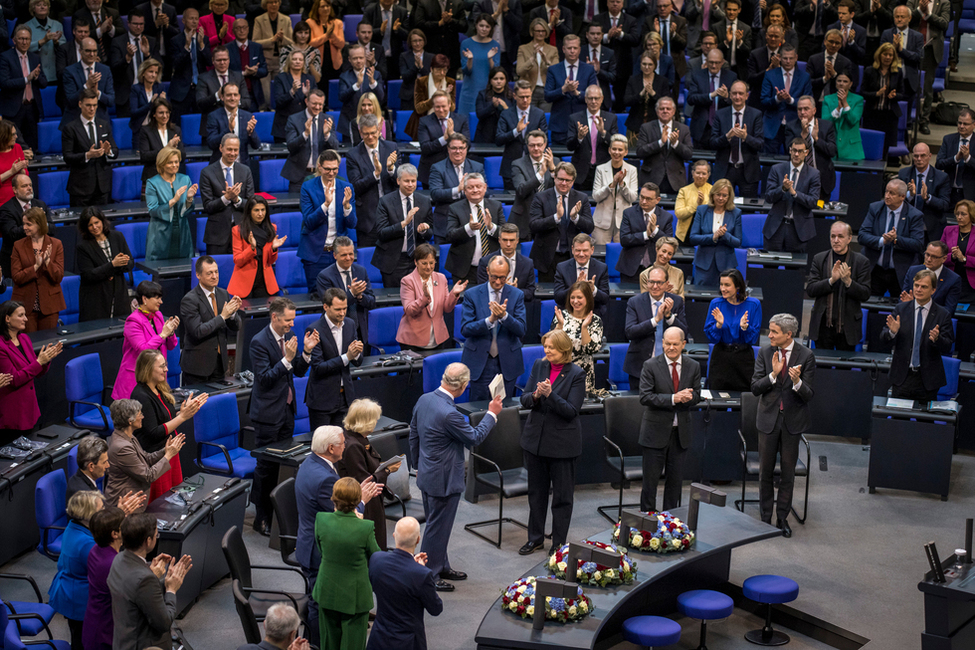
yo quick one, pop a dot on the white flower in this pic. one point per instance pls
(531, 610)
(675, 543)
(626, 565)
(597, 576)
(521, 599)
(522, 588)
(583, 607)
(562, 566)
(638, 540)
(513, 606)
(573, 612)
(654, 543)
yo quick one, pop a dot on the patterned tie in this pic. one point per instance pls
(443, 126)
(593, 134)
(493, 350)
(674, 375)
(410, 232)
(714, 102)
(918, 334)
(138, 56)
(314, 139)
(291, 395)
(387, 36)
(28, 90)
(484, 235)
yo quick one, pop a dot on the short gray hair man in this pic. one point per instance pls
(787, 323)
(325, 437)
(281, 625)
(455, 377)
(406, 169)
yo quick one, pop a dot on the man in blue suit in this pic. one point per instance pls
(928, 190)
(642, 226)
(648, 316)
(948, 289)
(737, 137)
(565, 87)
(87, 73)
(308, 133)
(779, 98)
(321, 219)
(232, 119)
(354, 83)
(404, 587)
(707, 92)
(445, 181)
(434, 130)
(275, 362)
(247, 58)
(521, 270)
(514, 125)
(330, 388)
(371, 166)
(792, 189)
(20, 101)
(190, 52)
(493, 324)
(582, 268)
(891, 236)
(353, 279)
(438, 436)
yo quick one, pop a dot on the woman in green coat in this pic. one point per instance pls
(844, 109)
(343, 591)
(169, 198)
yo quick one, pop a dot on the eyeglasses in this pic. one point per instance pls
(655, 283)
(498, 278)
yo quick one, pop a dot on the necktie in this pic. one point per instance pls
(347, 275)
(28, 90)
(223, 80)
(707, 15)
(410, 232)
(387, 16)
(91, 133)
(612, 23)
(538, 168)
(443, 126)
(818, 25)
(918, 334)
(714, 102)
(736, 149)
(572, 72)
(593, 133)
(674, 375)
(887, 261)
(213, 303)
(551, 37)
(658, 341)
(734, 40)
(788, 80)
(195, 70)
(784, 375)
(230, 177)
(788, 195)
(137, 59)
(484, 235)
(563, 224)
(91, 71)
(493, 351)
(810, 154)
(666, 27)
(757, 18)
(918, 181)
(958, 168)
(315, 132)
(291, 395)
(162, 41)
(98, 19)
(923, 28)
(590, 10)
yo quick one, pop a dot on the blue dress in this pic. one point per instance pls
(476, 79)
(69, 589)
(732, 358)
(169, 230)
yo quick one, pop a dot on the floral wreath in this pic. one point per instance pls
(519, 598)
(591, 573)
(672, 535)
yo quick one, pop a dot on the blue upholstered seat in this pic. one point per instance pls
(705, 604)
(651, 630)
(770, 589)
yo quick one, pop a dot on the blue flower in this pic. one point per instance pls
(558, 604)
(589, 567)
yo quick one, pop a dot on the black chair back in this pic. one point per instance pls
(238, 560)
(503, 445)
(749, 412)
(252, 631)
(286, 512)
(623, 416)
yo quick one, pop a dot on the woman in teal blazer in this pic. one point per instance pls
(844, 109)
(169, 198)
(343, 591)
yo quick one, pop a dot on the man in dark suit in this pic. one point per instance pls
(472, 229)
(669, 386)
(521, 270)
(853, 37)
(820, 138)
(556, 217)
(588, 138)
(442, 23)
(875, 16)
(209, 86)
(230, 119)
(792, 189)
(737, 136)
(640, 229)
(910, 48)
(405, 221)
(92, 464)
(375, 55)
(621, 33)
(11, 217)
(209, 318)
(921, 333)
(673, 30)
(778, 97)
(280, 630)
(105, 21)
(21, 80)
(514, 125)
(582, 268)
(823, 67)
(559, 18)
(531, 174)
(303, 149)
(88, 148)
(734, 37)
(161, 25)
(354, 83)
(603, 61)
(446, 181)
(665, 146)
(371, 167)
(403, 587)
(353, 279)
(190, 51)
(948, 289)
(69, 53)
(761, 60)
(839, 281)
(435, 129)
(565, 85)
(648, 315)
(330, 388)
(812, 19)
(697, 18)
(87, 74)
(225, 186)
(891, 236)
(707, 92)
(928, 190)
(438, 436)
(389, 21)
(127, 53)
(955, 158)
(247, 58)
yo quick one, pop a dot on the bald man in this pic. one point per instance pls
(928, 190)
(91, 74)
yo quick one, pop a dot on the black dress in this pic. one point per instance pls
(360, 461)
(881, 113)
(103, 292)
(643, 109)
(259, 289)
(488, 115)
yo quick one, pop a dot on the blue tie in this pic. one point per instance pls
(888, 260)
(230, 179)
(196, 72)
(918, 333)
(658, 344)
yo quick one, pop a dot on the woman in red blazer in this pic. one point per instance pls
(961, 245)
(37, 265)
(18, 368)
(425, 300)
(253, 275)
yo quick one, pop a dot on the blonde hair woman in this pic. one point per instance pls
(145, 89)
(369, 105)
(169, 199)
(716, 232)
(534, 59)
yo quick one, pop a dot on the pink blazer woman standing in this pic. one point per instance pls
(145, 329)
(414, 329)
(950, 237)
(18, 401)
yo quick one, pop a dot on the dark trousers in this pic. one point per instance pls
(294, 187)
(655, 462)
(84, 200)
(736, 175)
(480, 387)
(365, 239)
(470, 276)
(632, 279)
(559, 475)
(830, 339)
(585, 184)
(773, 145)
(404, 266)
(187, 106)
(216, 374)
(884, 281)
(265, 474)
(785, 238)
(957, 194)
(312, 269)
(26, 121)
(634, 382)
(76, 629)
(440, 513)
(312, 630)
(223, 248)
(778, 442)
(334, 418)
(549, 276)
(705, 140)
(913, 388)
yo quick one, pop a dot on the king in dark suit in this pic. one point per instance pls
(208, 316)
(839, 281)
(88, 148)
(793, 190)
(330, 388)
(648, 316)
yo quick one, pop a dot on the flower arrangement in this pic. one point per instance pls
(519, 598)
(591, 573)
(672, 535)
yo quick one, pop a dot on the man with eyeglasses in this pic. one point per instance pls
(761, 60)
(665, 146)
(191, 56)
(447, 181)
(515, 124)
(839, 281)
(823, 67)
(666, 249)
(737, 136)
(891, 236)
(105, 23)
(947, 289)
(955, 158)
(371, 167)
(87, 74)
(128, 52)
(780, 88)
(21, 79)
(472, 229)
(928, 190)
(521, 270)
(434, 132)
(588, 140)
(820, 138)
(557, 215)
(209, 87)
(708, 92)
(327, 213)
(648, 316)
(793, 191)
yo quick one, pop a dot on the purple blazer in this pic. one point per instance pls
(139, 334)
(950, 237)
(98, 630)
(18, 401)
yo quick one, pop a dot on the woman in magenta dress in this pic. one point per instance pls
(12, 160)
(145, 329)
(106, 529)
(217, 26)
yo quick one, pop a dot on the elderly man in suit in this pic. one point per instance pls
(783, 381)
(838, 281)
(556, 217)
(88, 147)
(582, 268)
(521, 270)
(322, 220)
(648, 315)
(928, 190)
(276, 362)
(955, 158)
(493, 324)
(144, 592)
(21, 80)
(210, 84)
(669, 386)
(106, 22)
(588, 139)
(642, 226)
(447, 181)
(438, 436)
(280, 630)
(820, 138)
(355, 82)
(472, 229)
(87, 74)
(665, 146)
(793, 191)
(435, 129)
(824, 67)
(371, 167)
(514, 125)
(603, 61)
(761, 60)
(565, 84)
(931, 17)
(374, 52)
(11, 217)
(209, 318)
(405, 221)
(737, 136)
(531, 174)
(330, 388)
(910, 48)
(232, 119)
(780, 88)
(308, 133)
(191, 58)
(673, 30)
(708, 91)
(404, 587)
(353, 279)
(127, 53)
(225, 186)
(247, 57)
(390, 22)
(948, 288)
(891, 236)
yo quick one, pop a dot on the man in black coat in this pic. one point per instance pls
(189, 45)
(603, 61)
(642, 226)
(92, 462)
(823, 67)
(621, 33)
(531, 174)
(209, 320)
(820, 138)
(582, 268)
(761, 60)
(303, 148)
(351, 278)
(955, 159)
(434, 130)
(405, 221)
(210, 84)
(708, 91)
(514, 125)
(928, 190)
(128, 51)
(105, 21)
(521, 270)
(665, 146)
(330, 388)
(390, 22)
(371, 168)
(11, 217)
(374, 53)
(161, 25)
(588, 138)
(225, 186)
(737, 138)
(556, 217)
(88, 148)
(648, 316)
(472, 229)
(839, 281)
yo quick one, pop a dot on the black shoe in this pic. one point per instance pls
(783, 525)
(450, 574)
(530, 547)
(263, 528)
(924, 129)
(444, 586)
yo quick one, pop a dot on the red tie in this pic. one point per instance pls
(785, 373)
(245, 59)
(674, 375)
(551, 37)
(291, 395)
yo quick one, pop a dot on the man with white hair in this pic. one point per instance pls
(472, 229)
(313, 493)
(404, 587)
(438, 435)
(280, 630)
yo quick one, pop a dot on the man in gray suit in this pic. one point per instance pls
(669, 387)
(225, 187)
(665, 145)
(142, 611)
(528, 182)
(783, 382)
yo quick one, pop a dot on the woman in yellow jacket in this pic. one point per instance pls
(691, 197)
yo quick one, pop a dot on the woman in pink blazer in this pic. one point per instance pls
(961, 249)
(145, 329)
(18, 368)
(425, 300)
(212, 23)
